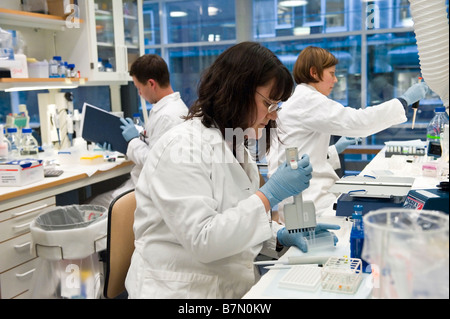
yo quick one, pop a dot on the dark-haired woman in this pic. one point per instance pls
(201, 216)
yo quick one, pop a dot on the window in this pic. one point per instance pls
(199, 21)
(195, 33)
(373, 40)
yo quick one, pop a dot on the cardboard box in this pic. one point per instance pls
(20, 173)
(11, 4)
(35, 6)
(58, 7)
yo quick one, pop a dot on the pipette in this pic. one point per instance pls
(295, 260)
(415, 106)
(299, 216)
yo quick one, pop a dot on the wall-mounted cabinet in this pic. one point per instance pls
(38, 31)
(109, 42)
(109, 30)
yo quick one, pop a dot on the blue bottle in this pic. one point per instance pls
(357, 237)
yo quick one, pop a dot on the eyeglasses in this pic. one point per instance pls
(273, 106)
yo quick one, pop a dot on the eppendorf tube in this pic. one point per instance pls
(322, 241)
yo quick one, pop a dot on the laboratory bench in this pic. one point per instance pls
(269, 287)
(20, 205)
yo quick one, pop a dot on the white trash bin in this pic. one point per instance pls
(67, 241)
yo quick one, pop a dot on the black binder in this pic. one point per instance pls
(100, 126)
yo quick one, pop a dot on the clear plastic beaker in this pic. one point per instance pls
(408, 251)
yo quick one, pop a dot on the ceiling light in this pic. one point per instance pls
(34, 88)
(177, 14)
(212, 11)
(293, 3)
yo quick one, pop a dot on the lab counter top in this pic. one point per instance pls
(398, 165)
(268, 286)
(73, 177)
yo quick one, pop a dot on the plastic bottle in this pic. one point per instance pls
(4, 144)
(357, 236)
(137, 119)
(70, 71)
(434, 130)
(53, 67)
(28, 144)
(108, 67)
(100, 66)
(14, 142)
(62, 69)
(138, 122)
(6, 45)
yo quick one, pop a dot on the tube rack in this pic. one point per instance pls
(342, 275)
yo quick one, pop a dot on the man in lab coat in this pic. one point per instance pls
(152, 79)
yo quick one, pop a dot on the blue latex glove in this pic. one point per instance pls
(106, 147)
(286, 182)
(344, 142)
(415, 93)
(129, 131)
(297, 239)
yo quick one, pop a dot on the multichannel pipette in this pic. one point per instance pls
(299, 216)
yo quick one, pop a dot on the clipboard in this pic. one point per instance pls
(100, 126)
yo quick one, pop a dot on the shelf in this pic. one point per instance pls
(40, 83)
(32, 20)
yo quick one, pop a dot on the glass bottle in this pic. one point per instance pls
(14, 142)
(28, 144)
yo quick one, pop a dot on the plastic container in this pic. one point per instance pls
(434, 130)
(20, 69)
(409, 253)
(38, 69)
(28, 144)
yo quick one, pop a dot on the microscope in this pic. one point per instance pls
(300, 216)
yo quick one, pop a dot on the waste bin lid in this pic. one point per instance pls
(70, 217)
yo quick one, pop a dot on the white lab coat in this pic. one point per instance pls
(198, 223)
(307, 121)
(164, 115)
